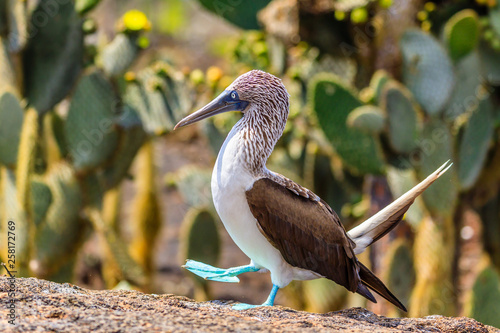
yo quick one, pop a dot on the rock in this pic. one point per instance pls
(47, 306)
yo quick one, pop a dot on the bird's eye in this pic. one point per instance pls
(233, 95)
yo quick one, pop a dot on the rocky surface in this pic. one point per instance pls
(47, 306)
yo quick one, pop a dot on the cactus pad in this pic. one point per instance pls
(367, 119)
(194, 185)
(333, 102)
(53, 60)
(89, 128)
(436, 145)
(475, 143)
(494, 15)
(462, 33)
(465, 96)
(243, 14)
(399, 270)
(401, 116)
(58, 236)
(427, 70)
(11, 122)
(84, 6)
(118, 55)
(484, 301)
(7, 72)
(11, 210)
(41, 198)
(159, 97)
(200, 237)
(130, 141)
(378, 81)
(490, 60)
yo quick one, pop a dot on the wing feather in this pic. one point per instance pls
(307, 232)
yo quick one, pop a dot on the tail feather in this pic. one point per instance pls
(384, 221)
(365, 292)
(371, 281)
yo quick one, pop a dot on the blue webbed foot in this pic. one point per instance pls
(268, 302)
(244, 306)
(217, 274)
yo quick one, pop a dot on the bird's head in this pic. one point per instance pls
(253, 93)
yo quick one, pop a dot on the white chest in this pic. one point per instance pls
(230, 181)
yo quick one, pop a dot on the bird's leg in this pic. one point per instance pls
(218, 274)
(268, 302)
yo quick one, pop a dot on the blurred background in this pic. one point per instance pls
(104, 195)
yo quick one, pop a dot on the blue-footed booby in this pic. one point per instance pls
(282, 227)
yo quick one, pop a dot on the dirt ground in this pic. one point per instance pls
(45, 306)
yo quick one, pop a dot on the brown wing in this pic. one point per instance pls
(308, 233)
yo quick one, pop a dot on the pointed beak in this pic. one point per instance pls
(223, 103)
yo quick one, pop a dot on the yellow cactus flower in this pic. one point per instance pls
(214, 74)
(129, 76)
(136, 20)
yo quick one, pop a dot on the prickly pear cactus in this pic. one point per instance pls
(490, 61)
(41, 199)
(200, 240)
(84, 6)
(200, 236)
(118, 55)
(17, 20)
(60, 232)
(461, 33)
(475, 143)
(194, 185)
(484, 299)
(368, 119)
(467, 92)
(53, 60)
(89, 131)
(377, 83)
(9, 80)
(159, 96)
(436, 147)
(26, 159)
(11, 121)
(433, 292)
(146, 213)
(130, 141)
(401, 116)
(494, 15)
(399, 270)
(127, 268)
(427, 70)
(242, 14)
(11, 210)
(332, 103)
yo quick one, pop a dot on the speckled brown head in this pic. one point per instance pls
(255, 94)
(263, 100)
